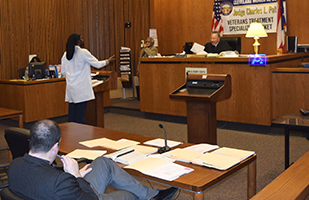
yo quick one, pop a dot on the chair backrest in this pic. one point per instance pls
(17, 140)
(7, 194)
(234, 42)
(21, 72)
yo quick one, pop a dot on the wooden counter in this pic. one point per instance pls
(37, 99)
(290, 90)
(252, 87)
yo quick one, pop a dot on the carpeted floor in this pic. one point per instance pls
(267, 142)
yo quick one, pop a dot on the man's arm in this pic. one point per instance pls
(74, 188)
(151, 51)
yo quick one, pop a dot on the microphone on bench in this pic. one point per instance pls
(165, 148)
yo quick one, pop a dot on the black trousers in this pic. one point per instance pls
(77, 112)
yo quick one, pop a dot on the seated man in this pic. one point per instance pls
(216, 46)
(148, 48)
(33, 177)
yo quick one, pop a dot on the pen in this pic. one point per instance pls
(59, 156)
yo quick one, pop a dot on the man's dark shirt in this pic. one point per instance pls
(34, 178)
(222, 46)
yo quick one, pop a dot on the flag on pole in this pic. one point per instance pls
(217, 24)
(281, 26)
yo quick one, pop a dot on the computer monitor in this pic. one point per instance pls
(292, 42)
(187, 47)
(36, 70)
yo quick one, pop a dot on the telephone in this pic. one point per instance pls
(229, 54)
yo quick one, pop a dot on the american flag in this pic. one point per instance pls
(281, 26)
(217, 24)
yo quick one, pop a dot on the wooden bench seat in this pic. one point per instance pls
(293, 183)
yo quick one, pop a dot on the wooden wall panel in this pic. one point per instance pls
(42, 27)
(179, 21)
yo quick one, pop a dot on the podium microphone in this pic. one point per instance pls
(165, 148)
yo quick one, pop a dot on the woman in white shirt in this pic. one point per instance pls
(75, 65)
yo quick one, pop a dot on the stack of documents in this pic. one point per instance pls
(190, 153)
(96, 82)
(160, 167)
(182, 155)
(223, 158)
(131, 154)
(202, 148)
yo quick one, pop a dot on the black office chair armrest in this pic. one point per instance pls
(7, 194)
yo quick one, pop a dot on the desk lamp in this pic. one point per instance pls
(256, 30)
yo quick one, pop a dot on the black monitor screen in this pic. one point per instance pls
(292, 44)
(187, 47)
(36, 70)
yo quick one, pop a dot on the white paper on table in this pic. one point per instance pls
(120, 144)
(89, 154)
(237, 153)
(182, 155)
(161, 142)
(144, 149)
(131, 158)
(169, 171)
(202, 148)
(95, 142)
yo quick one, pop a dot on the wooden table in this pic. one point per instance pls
(197, 182)
(6, 113)
(291, 122)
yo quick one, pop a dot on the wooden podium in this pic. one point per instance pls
(95, 108)
(201, 93)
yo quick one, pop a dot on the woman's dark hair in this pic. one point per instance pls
(70, 47)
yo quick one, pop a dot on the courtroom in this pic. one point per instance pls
(154, 99)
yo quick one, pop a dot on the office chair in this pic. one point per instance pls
(234, 42)
(7, 194)
(17, 140)
(21, 72)
(4, 166)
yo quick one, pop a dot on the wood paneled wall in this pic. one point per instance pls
(42, 27)
(179, 21)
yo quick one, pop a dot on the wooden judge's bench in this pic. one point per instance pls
(41, 99)
(257, 93)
